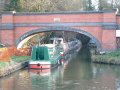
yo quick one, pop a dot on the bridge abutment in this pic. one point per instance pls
(109, 40)
(7, 29)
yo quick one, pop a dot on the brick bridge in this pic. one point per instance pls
(100, 26)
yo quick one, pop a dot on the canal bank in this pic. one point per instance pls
(107, 58)
(13, 65)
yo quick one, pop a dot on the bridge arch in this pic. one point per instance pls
(60, 28)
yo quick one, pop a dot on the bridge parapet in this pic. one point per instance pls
(7, 21)
(107, 20)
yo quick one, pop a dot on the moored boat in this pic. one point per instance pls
(50, 55)
(45, 56)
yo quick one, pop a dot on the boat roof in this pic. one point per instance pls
(49, 45)
(56, 38)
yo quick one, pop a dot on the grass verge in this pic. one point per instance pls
(108, 58)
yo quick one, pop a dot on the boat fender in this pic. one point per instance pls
(62, 61)
(38, 64)
(59, 62)
(41, 68)
(62, 54)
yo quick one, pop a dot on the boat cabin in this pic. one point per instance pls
(56, 41)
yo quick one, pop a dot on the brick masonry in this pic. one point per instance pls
(100, 26)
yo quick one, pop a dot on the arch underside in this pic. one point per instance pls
(57, 28)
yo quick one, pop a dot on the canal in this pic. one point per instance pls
(78, 74)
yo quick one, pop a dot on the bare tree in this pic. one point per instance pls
(67, 5)
(61, 5)
(35, 5)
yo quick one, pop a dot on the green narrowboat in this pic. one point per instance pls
(48, 56)
(45, 56)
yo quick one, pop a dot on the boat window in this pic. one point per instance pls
(59, 41)
(51, 41)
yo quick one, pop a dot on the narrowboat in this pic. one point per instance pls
(46, 56)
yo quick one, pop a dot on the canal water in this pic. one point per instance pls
(78, 74)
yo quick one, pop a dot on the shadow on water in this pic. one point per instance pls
(80, 66)
(84, 54)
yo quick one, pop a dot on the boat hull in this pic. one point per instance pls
(39, 65)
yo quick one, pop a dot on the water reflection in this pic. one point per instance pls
(78, 74)
(18, 81)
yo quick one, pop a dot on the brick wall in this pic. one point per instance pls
(118, 19)
(101, 25)
(62, 17)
